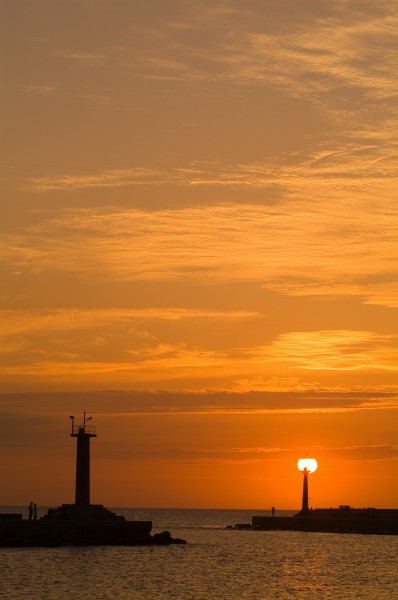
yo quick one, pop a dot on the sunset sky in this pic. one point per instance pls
(199, 248)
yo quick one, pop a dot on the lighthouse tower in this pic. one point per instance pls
(83, 433)
(98, 523)
(306, 466)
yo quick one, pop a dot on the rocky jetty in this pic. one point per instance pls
(330, 520)
(71, 525)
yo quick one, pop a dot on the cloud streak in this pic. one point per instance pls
(115, 404)
(298, 248)
(150, 349)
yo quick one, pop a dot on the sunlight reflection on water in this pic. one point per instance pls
(217, 564)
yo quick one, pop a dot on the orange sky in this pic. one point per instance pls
(199, 213)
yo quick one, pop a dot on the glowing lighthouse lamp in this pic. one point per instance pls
(306, 466)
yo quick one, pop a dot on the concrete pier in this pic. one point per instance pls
(331, 520)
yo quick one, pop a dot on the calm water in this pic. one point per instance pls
(216, 564)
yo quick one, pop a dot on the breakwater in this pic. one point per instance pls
(69, 525)
(334, 520)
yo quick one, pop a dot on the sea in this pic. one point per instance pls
(217, 563)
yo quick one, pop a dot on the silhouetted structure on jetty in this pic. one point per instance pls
(81, 523)
(83, 433)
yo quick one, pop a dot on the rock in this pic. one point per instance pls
(164, 539)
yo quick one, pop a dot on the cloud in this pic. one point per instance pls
(362, 455)
(313, 55)
(108, 178)
(355, 162)
(338, 57)
(331, 350)
(89, 59)
(336, 53)
(122, 404)
(41, 89)
(294, 248)
(18, 322)
(367, 454)
(133, 350)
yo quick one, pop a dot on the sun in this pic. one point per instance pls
(308, 464)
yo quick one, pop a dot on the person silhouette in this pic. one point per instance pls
(273, 511)
(35, 512)
(30, 510)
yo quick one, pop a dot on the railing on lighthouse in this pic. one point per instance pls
(83, 433)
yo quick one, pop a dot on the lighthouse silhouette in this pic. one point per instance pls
(83, 433)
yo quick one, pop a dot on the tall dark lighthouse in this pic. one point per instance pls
(306, 466)
(83, 433)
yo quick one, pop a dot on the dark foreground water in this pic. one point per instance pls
(217, 563)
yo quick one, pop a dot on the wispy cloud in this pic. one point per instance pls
(108, 178)
(19, 322)
(355, 163)
(89, 59)
(334, 54)
(136, 350)
(298, 248)
(43, 89)
(332, 350)
(114, 404)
